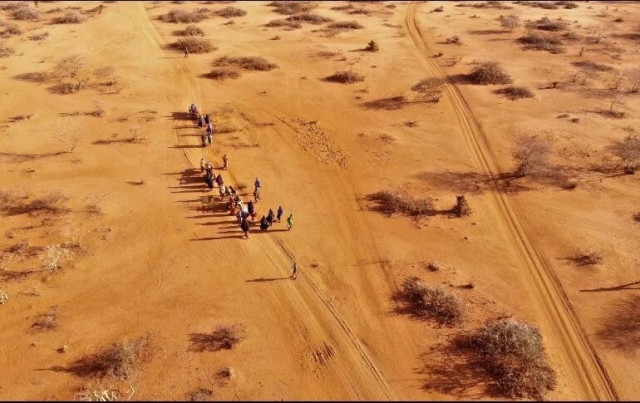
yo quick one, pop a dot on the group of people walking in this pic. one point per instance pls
(242, 211)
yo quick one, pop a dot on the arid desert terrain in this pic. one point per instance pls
(462, 178)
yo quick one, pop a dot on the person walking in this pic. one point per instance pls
(225, 162)
(270, 217)
(202, 164)
(244, 226)
(219, 180)
(290, 221)
(257, 183)
(294, 275)
(186, 51)
(207, 119)
(204, 140)
(264, 225)
(280, 212)
(200, 122)
(209, 132)
(256, 194)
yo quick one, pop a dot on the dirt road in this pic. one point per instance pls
(577, 354)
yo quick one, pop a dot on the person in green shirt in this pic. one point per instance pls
(290, 221)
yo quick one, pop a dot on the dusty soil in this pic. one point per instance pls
(145, 257)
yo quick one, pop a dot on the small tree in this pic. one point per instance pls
(510, 22)
(531, 154)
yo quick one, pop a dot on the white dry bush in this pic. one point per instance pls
(4, 297)
(55, 256)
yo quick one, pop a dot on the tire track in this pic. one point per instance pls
(582, 360)
(345, 327)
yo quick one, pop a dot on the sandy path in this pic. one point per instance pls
(311, 306)
(578, 356)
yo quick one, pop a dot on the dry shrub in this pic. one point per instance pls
(513, 354)
(513, 92)
(292, 7)
(11, 30)
(106, 76)
(51, 203)
(70, 17)
(190, 30)
(39, 37)
(510, 22)
(461, 208)
(194, 45)
(46, 322)
(200, 395)
(345, 25)
(538, 41)
(223, 73)
(5, 50)
(489, 73)
(245, 63)
(224, 337)
(345, 77)
(571, 36)
(454, 40)
(54, 257)
(69, 75)
(230, 12)
(429, 85)
(545, 24)
(438, 9)
(588, 65)
(628, 150)
(588, 258)
(636, 217)
(567, 4)
(15, 5)
(431, 302)
(26, 13)
(372, 46)
(179, 16)
(531, 155)
(393, 203)
(53, 10)
(310, 18)
(284, 24)
(120, 360)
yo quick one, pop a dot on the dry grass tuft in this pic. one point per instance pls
(345, 77)
(245, 63)
(489, 73)
(292, 7)
(538, 41)
(513, 92)
(223, 73)
(431, 302)
(391, 203)
(313, 19)
(70, 17)
(513, 354)
(194, 45)
(224, 337)
(372, 46)
(345, 25)
(190, 30)
(179, 16)
(230, 12)
(120, 360)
